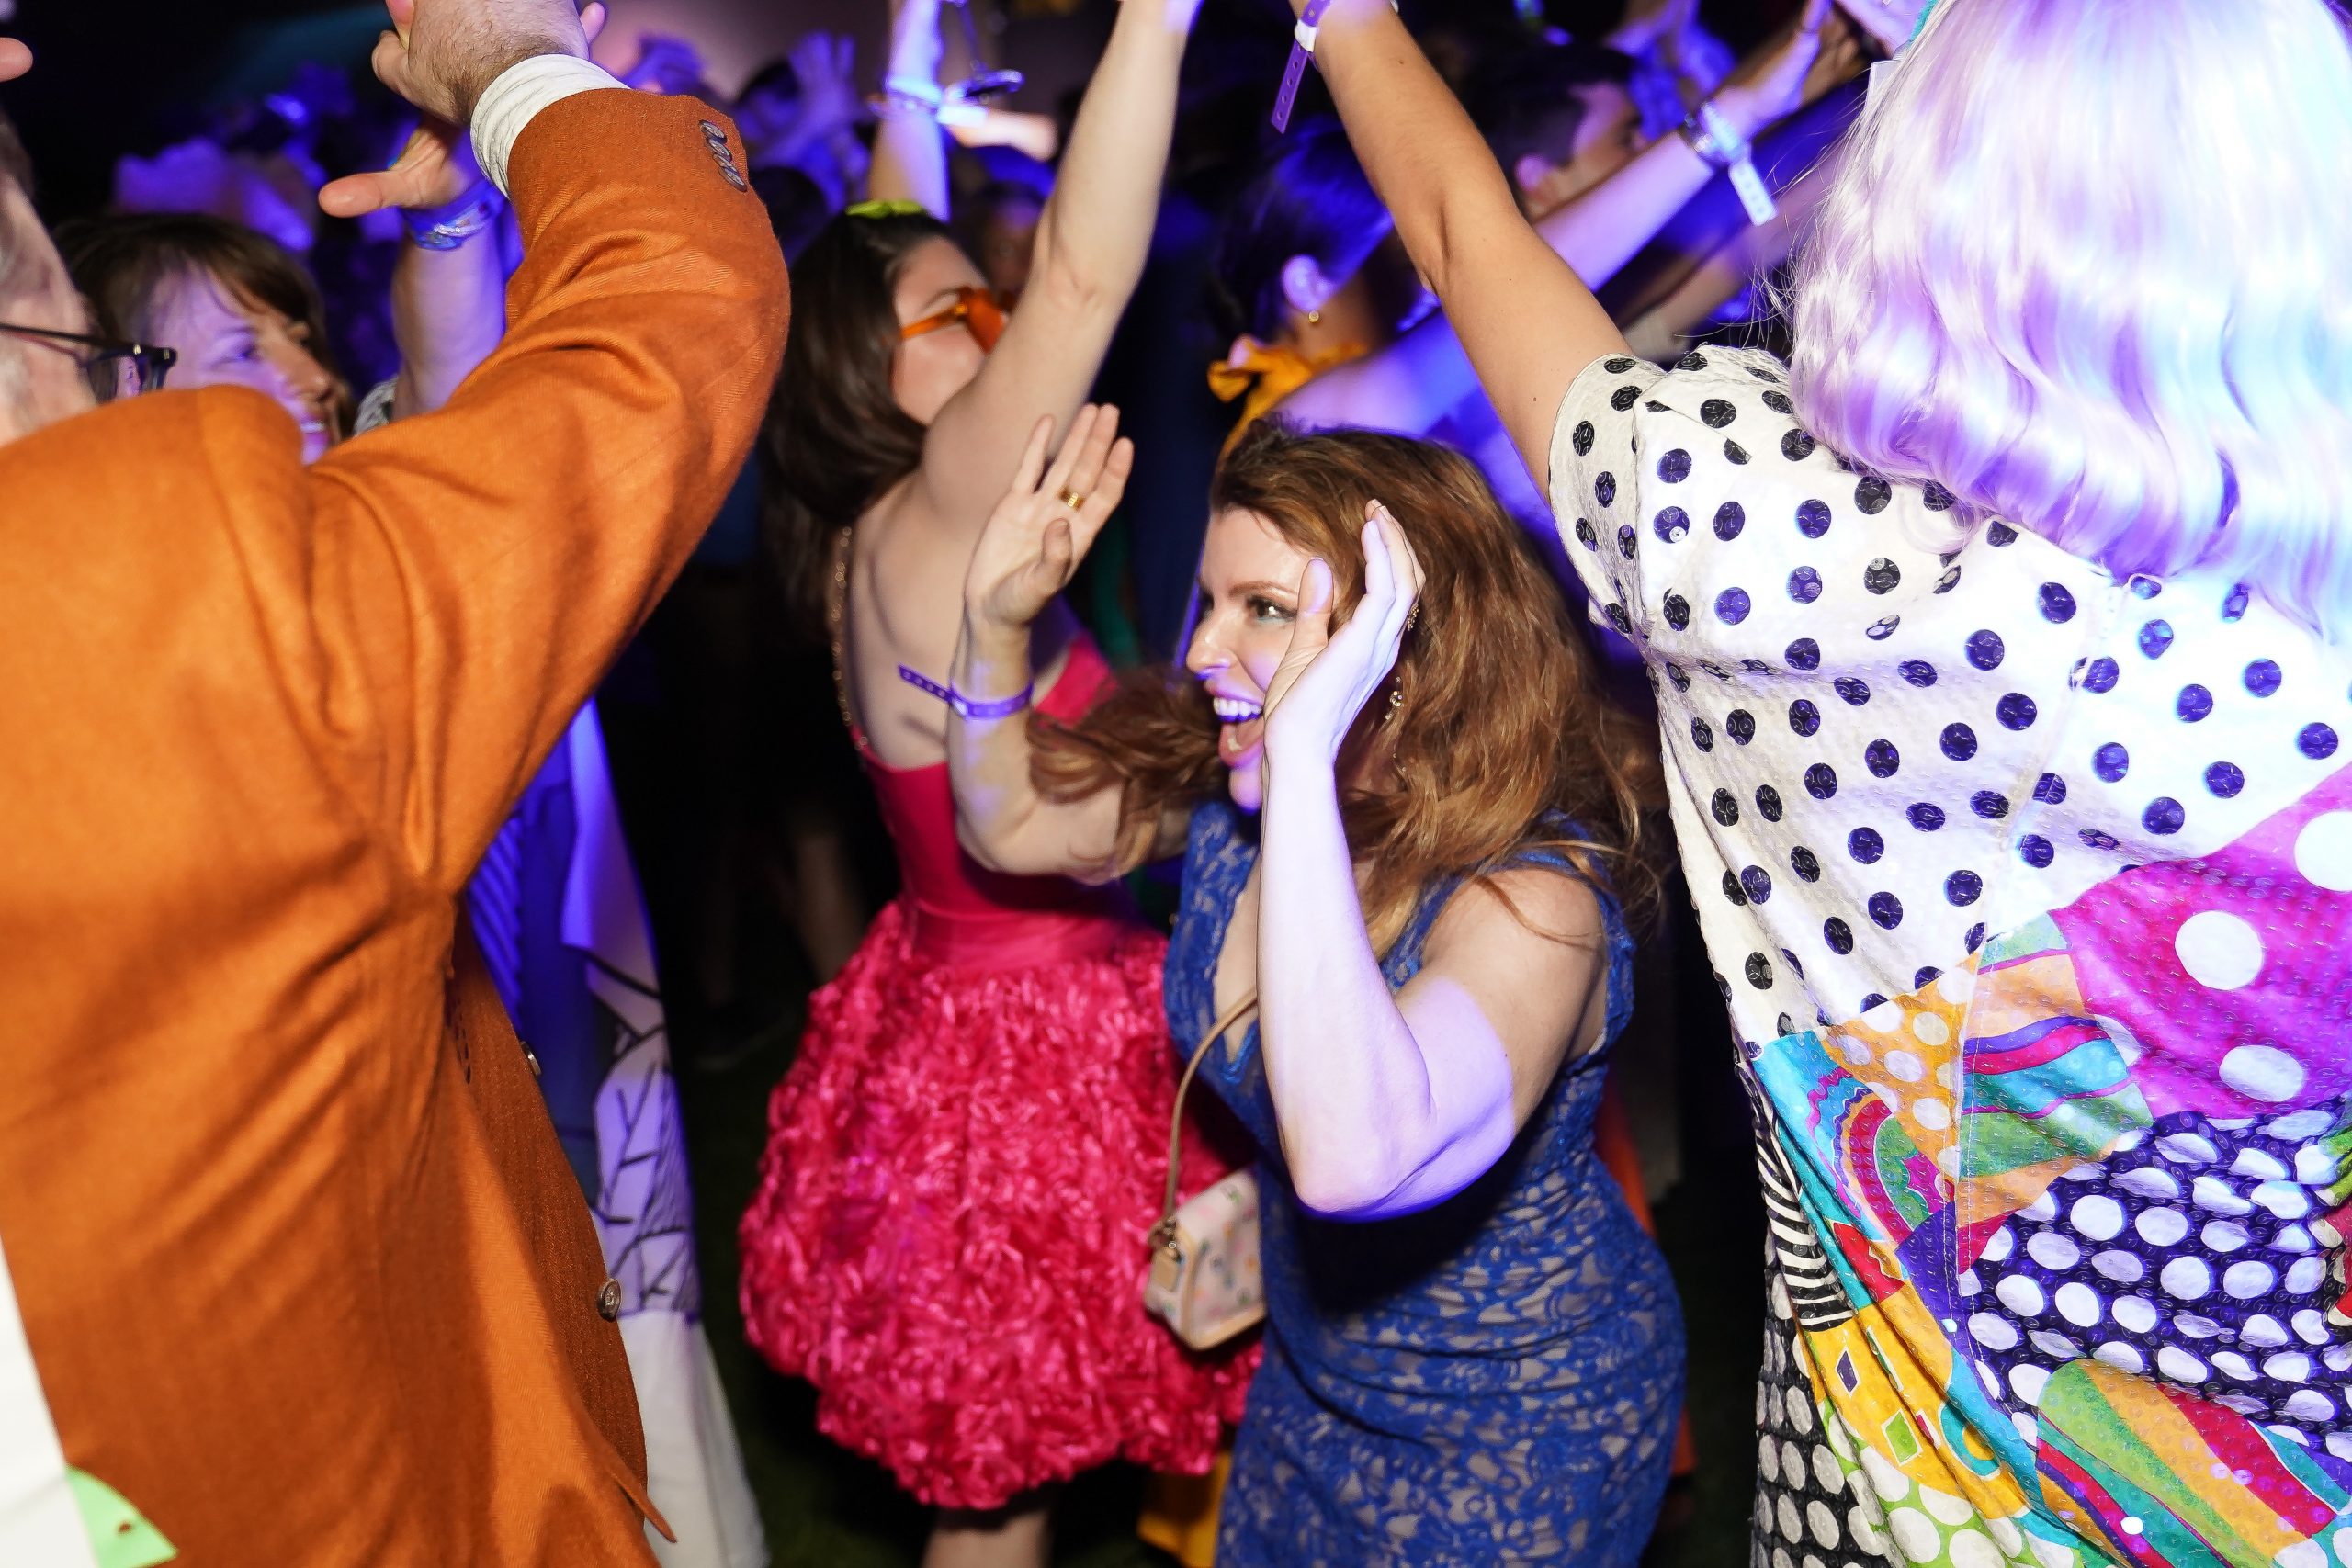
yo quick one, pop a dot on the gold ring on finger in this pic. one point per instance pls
(1072, 500)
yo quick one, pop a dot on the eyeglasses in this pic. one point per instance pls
(978, 309)
(114, 369)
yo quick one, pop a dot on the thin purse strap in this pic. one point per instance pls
(1165, 1231)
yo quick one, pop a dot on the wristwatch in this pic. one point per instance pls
(1725, 149)
(1712, 135)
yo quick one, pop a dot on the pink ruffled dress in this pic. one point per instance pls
(963, 1164)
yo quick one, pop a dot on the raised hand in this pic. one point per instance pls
(435, 168)
(1819, 52)
(1646, 21)
(1326, 679)
(827, 66)
(1046, 523)
(441, 54)
(664, 64)
(14, 59)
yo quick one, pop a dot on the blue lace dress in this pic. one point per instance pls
(1495, 1379)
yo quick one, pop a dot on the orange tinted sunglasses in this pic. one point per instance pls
(976, 308)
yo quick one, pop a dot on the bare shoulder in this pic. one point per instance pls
(1526, 912)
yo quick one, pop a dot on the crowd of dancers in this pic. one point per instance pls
(1888, 493)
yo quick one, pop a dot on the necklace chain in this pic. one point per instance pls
(836, 611)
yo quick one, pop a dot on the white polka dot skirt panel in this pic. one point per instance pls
(2029, 893)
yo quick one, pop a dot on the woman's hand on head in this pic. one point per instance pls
(1047, 522)
(1326, 678)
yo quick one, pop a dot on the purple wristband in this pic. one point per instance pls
(965, 708)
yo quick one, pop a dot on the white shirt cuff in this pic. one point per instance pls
(515, 99)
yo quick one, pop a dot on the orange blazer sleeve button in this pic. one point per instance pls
(608, 1301)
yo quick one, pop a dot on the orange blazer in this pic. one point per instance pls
(303, 1271)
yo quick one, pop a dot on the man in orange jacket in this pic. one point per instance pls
(292, 1271)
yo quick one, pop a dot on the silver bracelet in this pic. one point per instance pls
(1717, 141)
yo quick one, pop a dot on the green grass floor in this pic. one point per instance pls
(825, 1508)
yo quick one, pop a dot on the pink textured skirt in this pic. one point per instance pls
(949, 1237)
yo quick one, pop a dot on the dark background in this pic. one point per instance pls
(118, 76)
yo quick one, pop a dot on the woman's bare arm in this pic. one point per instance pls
(910, 153)
(1025, 555)
(1091, 241)
(1525, 315)
(1391, 1102)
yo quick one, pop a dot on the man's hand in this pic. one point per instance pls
(434, 169)
(14, 59)
(441, 54)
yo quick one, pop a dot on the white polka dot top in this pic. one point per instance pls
(2028, 891)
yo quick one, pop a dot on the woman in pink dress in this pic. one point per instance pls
(966, 1157)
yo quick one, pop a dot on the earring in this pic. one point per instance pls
(1396, 701)
(1313, 318)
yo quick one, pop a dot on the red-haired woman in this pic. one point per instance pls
(1406, 837)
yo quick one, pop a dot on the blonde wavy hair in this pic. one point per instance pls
(2089, 265)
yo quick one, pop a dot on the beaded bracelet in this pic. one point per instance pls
(965, 708)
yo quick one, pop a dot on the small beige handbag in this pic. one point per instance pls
(1205, 1280)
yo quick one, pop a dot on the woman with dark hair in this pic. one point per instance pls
(977, 1118)
(1306, 273)
(1408, 818)
(233, 304)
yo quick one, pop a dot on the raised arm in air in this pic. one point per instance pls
(1032, 544)
(1091, 241)
(1526, 319)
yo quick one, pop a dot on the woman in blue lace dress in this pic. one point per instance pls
(1408, 820)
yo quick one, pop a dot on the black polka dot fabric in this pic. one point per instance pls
(2032, 893)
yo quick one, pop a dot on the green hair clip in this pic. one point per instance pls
(888, 210)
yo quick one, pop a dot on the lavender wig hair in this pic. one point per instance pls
(2089, 264)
